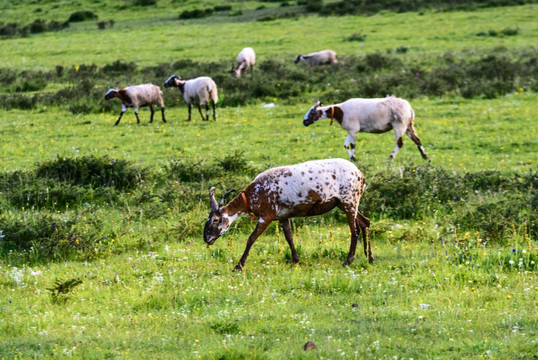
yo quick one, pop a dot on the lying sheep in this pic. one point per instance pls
(307, 189)
(318, 58)
(371, 116)
(201, 90)
(245, 60)
(137, 96)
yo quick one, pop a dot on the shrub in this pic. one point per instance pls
(222, 8)
(356, 37)
(144, 2)
(83, 15)
(195, 14)
(119, 67)
(93, 171)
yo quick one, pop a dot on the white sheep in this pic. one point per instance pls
(318, 58)
(201, 90)
(245, 60)
(137, 96)
(370, 116)
(307, 189)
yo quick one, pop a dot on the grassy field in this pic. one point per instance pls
(101, 250)
(202, 40)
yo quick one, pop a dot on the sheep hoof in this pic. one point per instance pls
(371, 259)
(348, 262)
(238, 268)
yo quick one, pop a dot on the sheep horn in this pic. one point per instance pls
(212, 201)
(223, 201)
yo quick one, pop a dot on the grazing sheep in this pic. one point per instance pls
(371, 116)
(307, 189)
(246, 59)
(318, 58)
(201, 90)
(137, 96)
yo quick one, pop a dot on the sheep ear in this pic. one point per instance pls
(212, 202)
(223, 201)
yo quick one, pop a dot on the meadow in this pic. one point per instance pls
(101, 249)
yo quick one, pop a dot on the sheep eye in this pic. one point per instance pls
(216, 221)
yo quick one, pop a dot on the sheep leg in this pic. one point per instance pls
(289, 238)
(190, 108)
(123, 109)
(354, 234)
(349, 145)
(260, 228)
(152, 112)
(162, 111)
(363, 223)
(200, 111)
(214, 113)
(413, 136)
(399, 144)
(118, 121)
(137, 118)
(207, 111)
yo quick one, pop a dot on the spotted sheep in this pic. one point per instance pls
(307, 189)
(318, 58)
(201, 91)
(370, 116)
(245, 60)
(137, 96)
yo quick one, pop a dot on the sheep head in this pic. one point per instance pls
(218, 221)
(298, 58)
(174, 81)
(111, 93)
(313, 114)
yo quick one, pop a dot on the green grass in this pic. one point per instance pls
(455, 269)
(202, 40)
(459, 134)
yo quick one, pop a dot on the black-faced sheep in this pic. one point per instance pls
(245, 60)
(201, 91)
(307, 189)
(370, 116)
(318, 58)
(137, 96)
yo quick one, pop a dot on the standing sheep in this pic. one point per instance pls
(137, 96)
(245, 60)
(201, 90)
(318, 58)
(307, 189)
(369, 115)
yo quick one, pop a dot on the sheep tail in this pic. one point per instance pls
(213, 93)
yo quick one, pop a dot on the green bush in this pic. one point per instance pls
(93, 171)
(82, 15)
(196, 14)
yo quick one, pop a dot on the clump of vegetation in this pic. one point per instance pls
(360, 7)
(93, 171)
(504, 32)
(196, 13)
(9, 30)
(62, 289)
(474, 201)
(359, 37)
(145, 2)
(82, 15)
